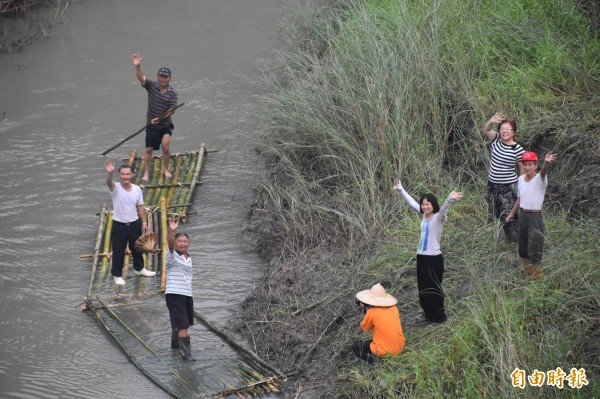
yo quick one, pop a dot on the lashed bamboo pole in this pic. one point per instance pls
(162, 192)
(120, 305)
(109, 254)
(156, 176)
(132, 156)
(175, 178)
(249, 387)
(96, 253)
(195, 178)
(140, 340)
(188, 164)
(126, 260)
(164, 227)
(107, 231)
(150, 224)
(249, 354)
(87, 256)
(168, 185)
(188, 178)
(130, 355)
(269, 381)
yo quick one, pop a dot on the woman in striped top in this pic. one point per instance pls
(430, 262)
(502, 178)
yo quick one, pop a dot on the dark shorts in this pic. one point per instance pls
(531, 236)
(181, 310)
(154, 135)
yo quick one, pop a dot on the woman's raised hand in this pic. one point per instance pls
(497, 118)
(455, 195)
(397, 186)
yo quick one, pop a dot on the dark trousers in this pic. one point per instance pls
(430, 273)
(531, 236)
(121, 235)
(362, 350)
(500, 199)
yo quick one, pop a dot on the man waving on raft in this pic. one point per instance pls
(162, 101)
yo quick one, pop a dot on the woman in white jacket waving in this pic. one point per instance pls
(430, 261)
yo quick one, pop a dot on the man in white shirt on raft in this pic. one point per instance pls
(129, 220)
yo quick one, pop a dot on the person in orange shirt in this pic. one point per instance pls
(381, 317)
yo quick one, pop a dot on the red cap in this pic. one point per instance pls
(528, 156)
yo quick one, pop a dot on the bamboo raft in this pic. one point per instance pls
(163, 199)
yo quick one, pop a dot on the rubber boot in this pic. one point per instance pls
(175, 338)
(185, 349)
(536, 271)
(526, 266)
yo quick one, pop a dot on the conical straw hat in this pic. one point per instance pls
(376, 296)
(146, 243)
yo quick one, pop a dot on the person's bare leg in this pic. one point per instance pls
(166, 140)
(147, 157)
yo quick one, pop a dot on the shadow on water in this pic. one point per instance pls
(66, 99)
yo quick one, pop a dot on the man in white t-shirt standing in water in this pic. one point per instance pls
(129, 219)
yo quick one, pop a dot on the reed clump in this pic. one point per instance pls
(370, 91)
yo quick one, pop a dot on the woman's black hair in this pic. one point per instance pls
(432, 200)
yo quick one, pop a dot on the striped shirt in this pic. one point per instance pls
(431, 229)
(179, 274)
(159, 103)
(504, 161)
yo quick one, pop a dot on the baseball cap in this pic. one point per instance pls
(164, 71)
(529, 156)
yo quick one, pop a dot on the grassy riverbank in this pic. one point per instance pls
(374, 91)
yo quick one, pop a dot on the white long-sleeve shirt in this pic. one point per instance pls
(431, 229)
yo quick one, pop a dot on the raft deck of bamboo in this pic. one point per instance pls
(162, 199)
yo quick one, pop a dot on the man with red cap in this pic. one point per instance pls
(531, 191)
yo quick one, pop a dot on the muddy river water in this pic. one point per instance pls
(67, 98)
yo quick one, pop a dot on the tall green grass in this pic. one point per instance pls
(371, 91)
(500, 322)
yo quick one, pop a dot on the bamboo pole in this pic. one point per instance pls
(251, 355)
(96, 254)
(195, 178)
(175, 178)
(107, 231)
(126, 260)
(130, 355)
(167, 185)
(188, 178)
(156, 176)
(163, 224)
(109, 254)
(189, 161)
(119, 305)
(87, 256)
(132, 156)
(269, 381)
(150, 224)
(140, 340)
(162, 192)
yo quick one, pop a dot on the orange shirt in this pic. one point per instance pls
(388, 338)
